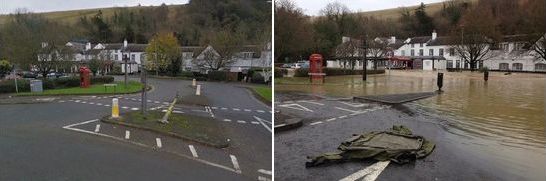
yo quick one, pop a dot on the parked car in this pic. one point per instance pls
(27, 74)
(300, 65)
(55, 75)
(286, 65)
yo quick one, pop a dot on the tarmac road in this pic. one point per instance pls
(331, 123)
(34, 145)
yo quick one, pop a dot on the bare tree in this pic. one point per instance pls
(540, 46)
(348, 53)
(377, 49)
(226, 45)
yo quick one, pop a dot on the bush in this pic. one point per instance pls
(8, 86)
(337, 71)
(101, 80)
(280, 72)
(216, 75)
(257, 78)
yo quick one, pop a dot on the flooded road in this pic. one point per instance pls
(501, 122)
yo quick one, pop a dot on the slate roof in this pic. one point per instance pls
(442, 40)
(420, 39)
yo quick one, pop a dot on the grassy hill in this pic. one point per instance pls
(394, 13)
(72, 16)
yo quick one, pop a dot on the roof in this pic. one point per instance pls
(519, 38)
(132, 47)
(442, 40)
(113, 46)
(420, 39)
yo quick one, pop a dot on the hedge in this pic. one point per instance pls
(336, 71)
(217, 75)
(280, 72)
(8, 86)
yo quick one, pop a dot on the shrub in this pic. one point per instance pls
(186, 74)
(101, 80)
(8, 86)
(217, 75)
(280, 72)
(257, 78)
(301, 72)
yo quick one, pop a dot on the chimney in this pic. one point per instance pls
(88, 46)
(345, 39)
(125, 43)
(434, 35)
(393, 40)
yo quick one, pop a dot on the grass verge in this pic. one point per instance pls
(199, 129)
(132, 87)
(264, 92)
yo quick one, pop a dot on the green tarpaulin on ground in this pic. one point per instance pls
(397, 144)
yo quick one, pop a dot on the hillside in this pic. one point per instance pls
(74, 15)
(394, 13)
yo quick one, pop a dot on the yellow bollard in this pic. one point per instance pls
(115, 108)
(193, 83)
(198, 90)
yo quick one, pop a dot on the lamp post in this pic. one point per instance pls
(144, 81)
(125, 58)
(365, 47)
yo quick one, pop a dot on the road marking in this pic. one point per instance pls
(224, 108)
(134, 109)
(61, 101)
(296, 107)
(99, 104)
(84, 102)
(353, 104)
(311, 102)
(166, 103)
(77, 101)
(91, 103)
(157, 102)
(263, 124)
(369, 173)
(179, 112)
(241, 121)
(97, 128)
(261, 178)
(214, 107)
(125, 107)
(235, 163)
(106, 105)
(255, 122)
(279, 125)
(331, 119)
(315, 123)
(227, 120)
(127, 134)
(348, 110)
(235, 109)
(341, 117)
(247, 110)
(158, 142)
(267, 172)
(260, 111)
(70, 127)
(193, 152)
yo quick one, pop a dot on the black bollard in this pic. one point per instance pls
(440, 81)
(486, 75)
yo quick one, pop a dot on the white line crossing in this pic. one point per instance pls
(158, 142)
(97, 128)
(369, 173)
(193, 152)
(315, 123)
(235, 164)
(127, 134)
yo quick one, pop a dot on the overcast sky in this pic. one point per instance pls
(9, 6)
(312, 7)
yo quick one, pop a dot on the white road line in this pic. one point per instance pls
(85, 122)
(99, 104)
(91, 103)
(97, 128)
(331, 119)
(127, 134)
(235, 163)
(235, 109)
(83, 102)
(134, 109)
(77, 101)
(315, 123)
(255, 122)
(353, 104)
(311, 102)
(267, 172)
(107, 105)
(193, 152)
(179, 112)
(296, 107)
(369, 173)
(158, 142)
(125, 107)
(224, 108)
(341, 117)
(227, 120)
(157, 102)
(61, 101)
(263, 124)
(247, 110)
(279, 125)
(260, 111)
(214, 107)
(241, 121)
(261, 178)
(68, 127)
(348, 110)
(166, 103)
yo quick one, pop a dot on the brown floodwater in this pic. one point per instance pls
(501, 120)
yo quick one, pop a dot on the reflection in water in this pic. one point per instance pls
(505, 115)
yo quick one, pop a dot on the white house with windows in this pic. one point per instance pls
(434, 52)
(249, 56)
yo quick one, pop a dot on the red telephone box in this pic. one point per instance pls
(84, 77)
(315, 68)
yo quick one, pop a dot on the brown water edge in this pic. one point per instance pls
(502, 120)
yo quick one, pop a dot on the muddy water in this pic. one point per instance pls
(501, 121)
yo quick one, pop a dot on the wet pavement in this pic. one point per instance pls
(496, 129)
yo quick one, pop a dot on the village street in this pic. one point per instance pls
(64, 139)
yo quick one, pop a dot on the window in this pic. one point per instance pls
(420, 44)
(449, 63)
(517, 66)
(412, 45)
(540, 67)
(247, 55)
(420, 52)
(403, 53)
(441, 53)
(503, 66)
(133, 57)
(457, 64)
(412, 52)
(187, 55)
(505, 47)
(452, 52)
(431, 52)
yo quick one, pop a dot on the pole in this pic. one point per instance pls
(143, 74)
(365, 46)
(125, 60)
